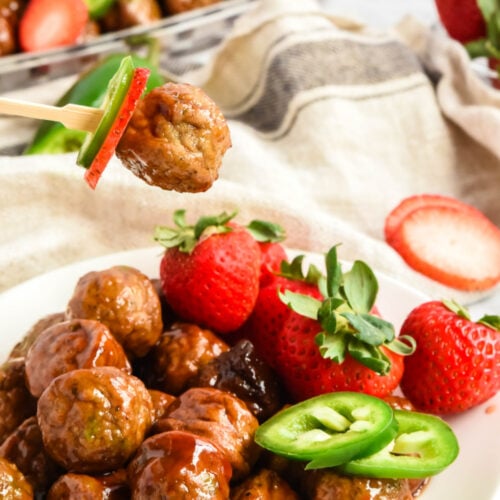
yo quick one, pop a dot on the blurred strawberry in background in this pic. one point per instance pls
(462, 19)
(48, 24)
(475, 24)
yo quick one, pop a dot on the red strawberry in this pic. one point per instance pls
(462, 19)
(411, 203)
(210, 271)
(494, 64)
(306, 373)
(457, 361)
(272, 255)
(270, 313)
(459, 248)
(319, 344)
(474, 23)
(46, 24)
(269, 236)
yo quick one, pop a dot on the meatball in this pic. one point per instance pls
(10, 13)
(21, 348)
(322, 484)
(241, 372)
(24, 448)
(176, 139)
(179, 465)
(266, 484)
(71, 486)
(79, 343)
(126, 13)
(93, 419)
(7, 37)
(13, 485)
(220, 417)
(16, 402)
(161, 401)
(125, 300)
(177, 6)
(179, 354)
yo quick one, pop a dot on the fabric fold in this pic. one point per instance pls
(332, 126)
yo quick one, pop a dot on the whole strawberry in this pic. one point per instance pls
(306, 373)
(272, 255)
(474, 23)
(319, 335)
(210, 271)
(270, 312)
(456, 364)
(462, 19)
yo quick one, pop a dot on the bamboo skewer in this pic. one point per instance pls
(72, 116)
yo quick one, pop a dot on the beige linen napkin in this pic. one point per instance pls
(332, 125)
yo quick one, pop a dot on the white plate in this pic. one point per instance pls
(475, 475)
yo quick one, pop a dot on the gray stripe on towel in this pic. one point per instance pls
(296, 69)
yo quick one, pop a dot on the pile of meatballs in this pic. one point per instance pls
(116, 398)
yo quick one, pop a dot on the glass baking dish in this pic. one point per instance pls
(184, 40)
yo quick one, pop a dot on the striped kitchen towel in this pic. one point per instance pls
(332, 124)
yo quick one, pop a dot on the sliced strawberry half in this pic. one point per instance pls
(456, 247)
(411, 203)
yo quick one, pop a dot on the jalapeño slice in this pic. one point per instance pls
(424, 446)
(123, 93)
(330, 429)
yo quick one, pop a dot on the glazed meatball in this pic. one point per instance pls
(323, 484)
(266, 484)
(93, 419)
(66, 346)
(21, 348)
(179, 354)
(179, 465)
(161, 401)
(10, 13)
(72, 486)
(176, 139)
(16, 402)
(13, 485)
(220, 417)
(241, 372)
(7, 37)
(24, 448)
(126, 13)
(177, 6)
(125, 300)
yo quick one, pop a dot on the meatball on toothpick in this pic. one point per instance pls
(176, 139)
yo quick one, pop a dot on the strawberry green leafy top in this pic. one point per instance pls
(489, 320)
(345, 313)
(185, 236)
(489, 45)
